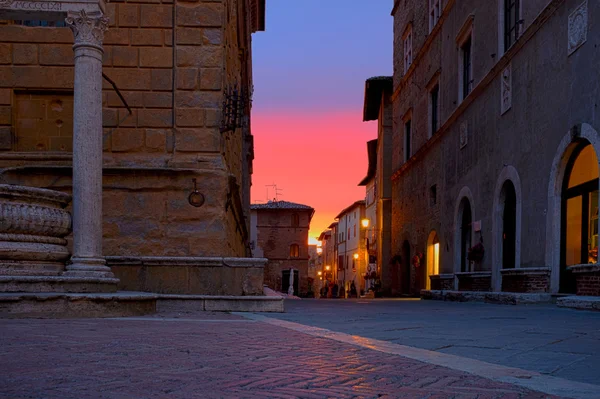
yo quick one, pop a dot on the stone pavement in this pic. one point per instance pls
(206, 355)
(553, 341)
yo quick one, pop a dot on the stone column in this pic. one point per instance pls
(87, 259)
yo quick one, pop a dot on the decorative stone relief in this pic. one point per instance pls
(506, 90)
(88, 29)
(578, 27)
(464, 134)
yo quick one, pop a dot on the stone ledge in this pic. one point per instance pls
(441, 276)
(57, 284)
(473, 274)
(531, 271)
(116, 261)
(579, 302)
(76, 305)
(220, 303)
(509, 298)
(585, 268)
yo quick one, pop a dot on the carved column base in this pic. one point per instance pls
(88, 267)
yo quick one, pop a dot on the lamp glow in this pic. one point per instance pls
(365, 223)
(327, 268)
(355, 256)
(319, 273)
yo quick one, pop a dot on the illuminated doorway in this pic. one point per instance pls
(433, 257)
(579, 232)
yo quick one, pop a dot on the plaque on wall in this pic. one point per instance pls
(578, 26)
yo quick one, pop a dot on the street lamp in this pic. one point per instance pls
(365, 223)
(355, 256)
(327, 268)
(319, 273)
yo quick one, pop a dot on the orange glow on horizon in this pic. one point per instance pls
(316, 159)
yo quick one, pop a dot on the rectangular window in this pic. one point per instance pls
(433, 195)
(434, 13)
(407, 39)
(354, 230)
(57, 24)
(349, 233)
(434, 108)
(407, 134)
(511, 22)
(467, 75)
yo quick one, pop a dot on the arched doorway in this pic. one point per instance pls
(509, 225)
(579, 224)
(433, 258)
(405, 272)
(465, 234)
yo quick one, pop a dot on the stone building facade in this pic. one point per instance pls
(280, 234)
(378, 107)
(351, 247)
(182, 126)
(495, 183)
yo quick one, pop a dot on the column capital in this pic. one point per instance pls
(88, 28)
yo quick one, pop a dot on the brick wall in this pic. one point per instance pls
(475, 283)
(169, 61)
(526, 283)
(588, 283)
(442, 283)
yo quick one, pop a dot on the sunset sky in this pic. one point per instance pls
(310, 68)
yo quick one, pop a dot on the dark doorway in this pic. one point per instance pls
(465, 235)
(405, 273)
(579, 224)
(509, 226)
(285, 281)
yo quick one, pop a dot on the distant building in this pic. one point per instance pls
(279, 232)
(378, 183)
(495, 145)
(352, 254)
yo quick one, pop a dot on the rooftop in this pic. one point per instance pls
(281, 205)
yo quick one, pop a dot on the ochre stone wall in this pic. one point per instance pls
(275, 236)
(172, 61)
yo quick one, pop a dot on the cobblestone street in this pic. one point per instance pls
(215, 355)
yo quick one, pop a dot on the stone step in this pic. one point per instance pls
(220, 303)
(57, 284)
(76, 305)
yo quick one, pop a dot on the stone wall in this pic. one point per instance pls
(172, 62)
(587, 279)
(275, 236)
(474, 281)
(442, 282)
(475, 139)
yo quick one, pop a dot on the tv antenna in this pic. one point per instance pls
(277, 191)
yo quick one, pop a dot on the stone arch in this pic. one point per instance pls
(564, 152)
(464, 194)
(507, 174)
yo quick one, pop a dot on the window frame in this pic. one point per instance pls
(294, 251)
(407, 139)
(407, 46)
(435, 12)
(503, 22)
(466, 78)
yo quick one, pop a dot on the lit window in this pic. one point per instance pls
(294, 251)
(407, 39)
(434, 13)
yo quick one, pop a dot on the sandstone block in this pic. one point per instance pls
(156, 139)
(125, 56)
(155, 118)
(187, 78)
(158, 100)
(56, 55)
(116, 36)
(204, 56)
(211, 78)
(198, 99)
(133, 98)
(111, 14)
(23, 34)
(197, 140)
(161, 57)
(107, 56)
(156, 16)
(5, 138)
(212, 117)
(5, 95)
(5, 52)
(146, 37)
(110, 117)
(126, 140)
(203, 14)
(106, 139)
(127, 120)
(5, 115)
(128, 15)
(162, 79)
(24, 54)
(168, 37)
(129, 78)
(212, 36)
(189, 117)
